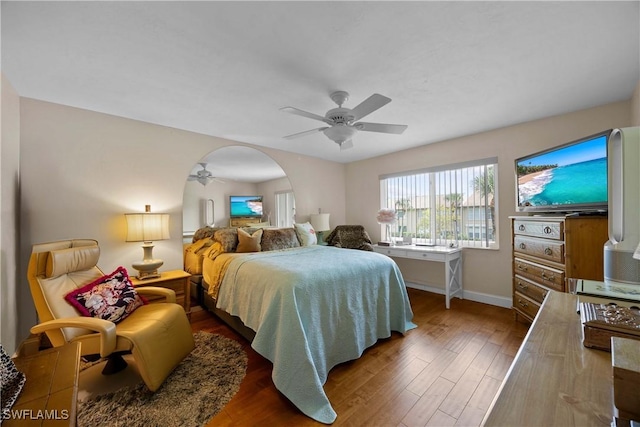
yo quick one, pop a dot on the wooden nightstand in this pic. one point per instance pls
(177, 280)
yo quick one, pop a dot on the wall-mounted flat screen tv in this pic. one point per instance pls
(568, 178)
(245, 206)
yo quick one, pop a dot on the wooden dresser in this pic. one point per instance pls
(548, 250)
(242, 222)
(554, 380)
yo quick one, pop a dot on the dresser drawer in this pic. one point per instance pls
(525, 305)
(529, 288)
(542, 274)
(547, 229)
(547, 249)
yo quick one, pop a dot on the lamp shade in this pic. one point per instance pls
(147, 227)
(636, 254)
(320, 222)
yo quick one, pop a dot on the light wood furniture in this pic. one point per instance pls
(625, 358)
(451, 257)
(242, 222)
(554, 380)
(547, 250)
(177, 280)
(49, 396)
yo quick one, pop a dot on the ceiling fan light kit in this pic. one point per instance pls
(342, 121)
(203, 176)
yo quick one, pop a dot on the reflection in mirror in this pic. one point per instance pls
(235, 171)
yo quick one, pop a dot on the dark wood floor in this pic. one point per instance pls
(445, 372)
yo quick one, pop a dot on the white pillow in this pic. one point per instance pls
(306, 234)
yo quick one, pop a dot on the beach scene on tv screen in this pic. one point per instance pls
(576, 174)
(246, 206)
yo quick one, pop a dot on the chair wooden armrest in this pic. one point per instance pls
(106, 329)
(168, 294)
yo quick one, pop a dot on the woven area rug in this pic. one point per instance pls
(196, 390)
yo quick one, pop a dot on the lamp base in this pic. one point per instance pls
(147, 269)
(145, 276)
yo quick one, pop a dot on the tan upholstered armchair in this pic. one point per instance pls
(157, 335)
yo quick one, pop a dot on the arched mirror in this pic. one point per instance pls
(244, 175)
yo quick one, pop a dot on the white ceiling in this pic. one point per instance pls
(226, 68)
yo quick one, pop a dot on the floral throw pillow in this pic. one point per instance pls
(306, 234)
(111, 297)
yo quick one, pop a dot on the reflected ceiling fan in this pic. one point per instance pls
(343, 122)
(204, 176)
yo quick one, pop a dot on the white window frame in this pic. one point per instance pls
(444, 205)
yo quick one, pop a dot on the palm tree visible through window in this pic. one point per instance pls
(444, 206)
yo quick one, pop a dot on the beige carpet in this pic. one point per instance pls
(196, 390)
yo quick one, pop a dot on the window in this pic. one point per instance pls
(285, 209)
(451, 205)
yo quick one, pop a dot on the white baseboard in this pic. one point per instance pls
(470, 295)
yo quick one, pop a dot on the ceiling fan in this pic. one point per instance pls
(204, 176)
(343, 122)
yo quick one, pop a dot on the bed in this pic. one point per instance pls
(310, 308)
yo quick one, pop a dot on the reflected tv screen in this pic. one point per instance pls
(245, 206)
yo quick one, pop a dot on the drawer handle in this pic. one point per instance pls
(547, 230)
(523, 304)
(545, 277)
(548, 251)
(523, 286)
(522, 245)
(522, 267)
(522, 227)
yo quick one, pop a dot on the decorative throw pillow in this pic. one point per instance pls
(306, 234)
(203, 233)
(228, 238)
(279, 238)
(111, 297)
(249, 242)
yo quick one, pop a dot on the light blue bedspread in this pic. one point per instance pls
(313, 308)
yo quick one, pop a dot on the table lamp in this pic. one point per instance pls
(147, 227)
(320, 223)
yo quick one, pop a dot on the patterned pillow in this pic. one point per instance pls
(203, 233)
(111, 297)
(306, 234)
(274, 239)
(228, 238)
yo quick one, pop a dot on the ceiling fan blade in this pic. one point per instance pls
(380, 127)
(346, 145)
(369, 105)
(192, 178)
(306, 132)
(303, 113)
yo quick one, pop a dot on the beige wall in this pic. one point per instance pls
(486, 273)
(10, 279)
(81, 171)
(635, 106)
